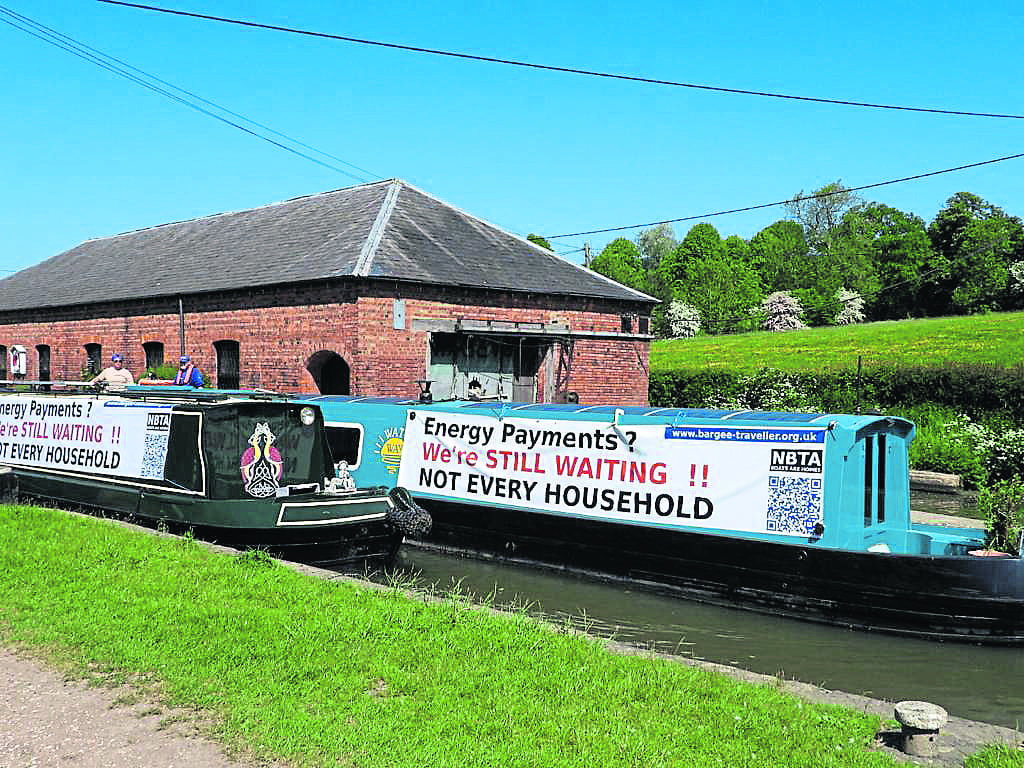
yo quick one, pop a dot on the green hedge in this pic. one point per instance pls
(972, 389)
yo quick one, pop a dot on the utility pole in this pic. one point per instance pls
(586, 254)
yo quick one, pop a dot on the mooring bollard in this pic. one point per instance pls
(921, 722)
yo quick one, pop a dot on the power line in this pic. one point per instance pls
(784, 202)
(121, 68)
(552, 68)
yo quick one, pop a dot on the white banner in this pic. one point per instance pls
(750, 479)
(83, 434)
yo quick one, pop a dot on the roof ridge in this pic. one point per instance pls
(373, 237)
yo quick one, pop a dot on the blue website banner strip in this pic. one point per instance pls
(747, 434)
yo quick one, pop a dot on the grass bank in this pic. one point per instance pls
(993, 339)
(333, 673)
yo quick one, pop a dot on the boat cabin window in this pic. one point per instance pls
(345, 441)
(184, 466)
(874, 479)
(93, 355)
(154, 354)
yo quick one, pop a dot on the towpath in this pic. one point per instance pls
(48, 721)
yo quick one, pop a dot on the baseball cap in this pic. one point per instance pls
(115, 357)
(183, 359)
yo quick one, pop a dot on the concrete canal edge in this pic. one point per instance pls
(958, 739)
(934, 482)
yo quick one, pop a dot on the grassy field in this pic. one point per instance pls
(996, 339)
(338, 674)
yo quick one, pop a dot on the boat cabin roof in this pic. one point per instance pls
(640, 413)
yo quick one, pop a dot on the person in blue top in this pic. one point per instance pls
(188, 373)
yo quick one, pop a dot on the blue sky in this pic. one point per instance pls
(85, 153)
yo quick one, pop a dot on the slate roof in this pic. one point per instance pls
(386, 229)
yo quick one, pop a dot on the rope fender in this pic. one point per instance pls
(406, 515)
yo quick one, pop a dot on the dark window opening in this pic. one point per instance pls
(43, 351)
(645, 325)
(869, 465)
(3, 361)
(154, 354)
(182, 466)
(484, 367)
(93, 355)
(345, 444)
(227, 364)
(627, 323)
(881, 479)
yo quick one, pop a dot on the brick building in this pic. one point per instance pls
(364, 290)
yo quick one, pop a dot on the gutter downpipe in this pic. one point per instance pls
(181, 326)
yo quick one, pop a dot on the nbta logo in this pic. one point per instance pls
(792, 460)
(160, 421)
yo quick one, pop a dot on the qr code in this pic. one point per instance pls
(794, 504)
(154, 454)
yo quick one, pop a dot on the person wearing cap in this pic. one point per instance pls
(115, 376)
(188, 373)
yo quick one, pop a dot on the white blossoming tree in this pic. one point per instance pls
(780, 311)
(682, 319)
(852, 310)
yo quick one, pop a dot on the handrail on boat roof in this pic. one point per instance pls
(134, 392)
(18, 386)
(171, 392)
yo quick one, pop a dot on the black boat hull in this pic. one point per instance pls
(969, 599)
(352, 534)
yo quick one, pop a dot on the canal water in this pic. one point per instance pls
(974, 682)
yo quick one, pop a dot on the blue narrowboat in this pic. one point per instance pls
(805, 515)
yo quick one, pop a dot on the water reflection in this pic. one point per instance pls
(960, 504)
(969, 681)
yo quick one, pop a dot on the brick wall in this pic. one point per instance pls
(280, 329)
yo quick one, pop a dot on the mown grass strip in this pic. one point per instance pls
(993, 339)
(332, 673)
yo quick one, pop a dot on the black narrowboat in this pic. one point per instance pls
(247, 471)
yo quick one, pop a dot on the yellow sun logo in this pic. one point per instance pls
(389, 448)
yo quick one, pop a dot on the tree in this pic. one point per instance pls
(702, 242)
(778, 253)
(852, 308)
(820, 212)
(975, 243)
(683, 321)
(654, 244)
(620, 260)
(895, 253)
(540, 240)
(723, 292)
(781, 311)
(737, 249)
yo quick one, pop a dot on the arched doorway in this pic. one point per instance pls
(330, 372)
